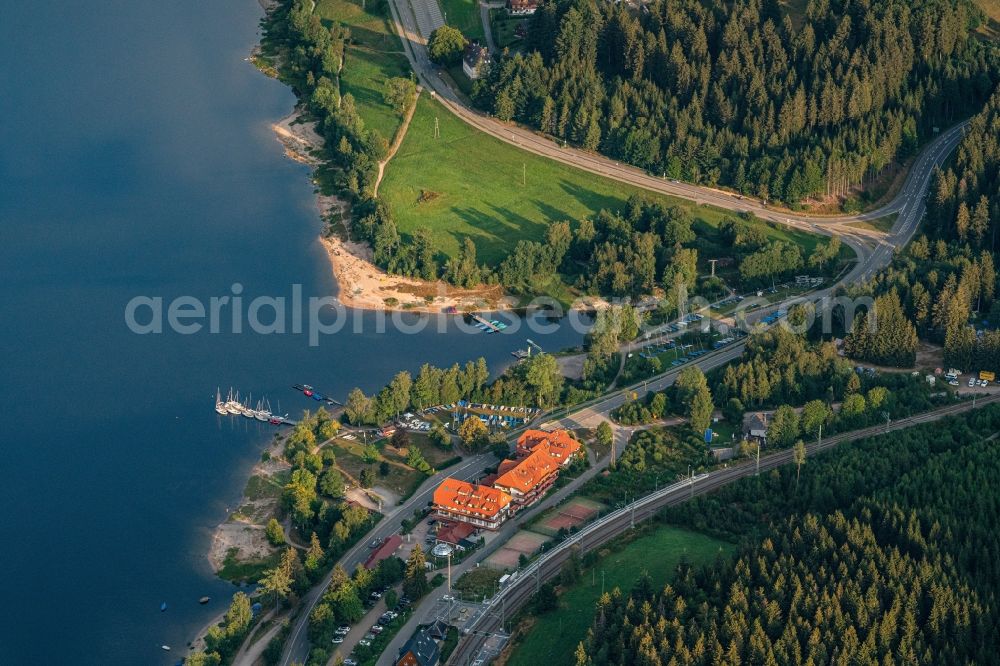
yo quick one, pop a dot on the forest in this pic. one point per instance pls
(945, 282)
(735, 94)
(881, 551)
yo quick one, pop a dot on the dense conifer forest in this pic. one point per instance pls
(735, 93)
(884, 551)
(945, 281)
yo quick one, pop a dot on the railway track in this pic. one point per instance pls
(614, 524)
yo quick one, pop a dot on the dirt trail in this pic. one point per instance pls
(398, 140)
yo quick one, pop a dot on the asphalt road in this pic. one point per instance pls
(428, 74)
(614, 524)
(297, 646)
(873, 249)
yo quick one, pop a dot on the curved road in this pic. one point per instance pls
(414, 44)
(874, 250)
(614, 524)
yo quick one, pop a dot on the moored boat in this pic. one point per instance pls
(220, 407)
(245, 409)
(233, 404)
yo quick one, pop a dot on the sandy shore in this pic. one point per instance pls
(365, 286)
(361, 283)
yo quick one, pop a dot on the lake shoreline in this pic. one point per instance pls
(360, 283)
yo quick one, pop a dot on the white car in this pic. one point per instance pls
(953, 382)
(337, 640)
(343, 630)
(972, 381)
(447, 597)
(986, 383)
(365, 642)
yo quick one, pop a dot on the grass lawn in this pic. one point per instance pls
(374, 55)
(472, 186)
(464, 15)
(402, 480)
(261, 487)
(883, 224)
(239, 571)
(504, 26)
(554, 636)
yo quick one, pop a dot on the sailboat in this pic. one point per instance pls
(262, 414)
(220, 407)
(245, 408)
(233, 405)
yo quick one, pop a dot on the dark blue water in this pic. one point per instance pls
(136, 159)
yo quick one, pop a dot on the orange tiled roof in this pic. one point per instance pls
(561, 445)
(504, 467)
(469, 498)
(529, 471)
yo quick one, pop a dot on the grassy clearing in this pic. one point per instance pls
(400, 478)
(554, 636)
(467, 183)
(374, 55)
(464, 15)
(478, 583)
(883, 224)
(238, 571)
(261, 487)
(504, 25)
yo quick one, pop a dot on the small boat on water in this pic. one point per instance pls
(245, 409)
(165, 647)
(233, 404)
(220, 407)
(263, 413)
(204, 600)
(163, 606)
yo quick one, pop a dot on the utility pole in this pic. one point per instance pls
(437, 128)
(758, 458)
(819, 439)
(712, 261)
(691, 481)
(524, 174)
(449, 573)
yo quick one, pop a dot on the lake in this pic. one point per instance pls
(137, 160)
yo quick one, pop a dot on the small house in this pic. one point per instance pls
(522, 7)
(420, 650)
(756, 426)
(475, 60)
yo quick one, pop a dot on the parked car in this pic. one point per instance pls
(365, 642)
(337, 640)
(343, 630)
(350, 662)
(447, 597)
(375, 595)
(377, 629)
